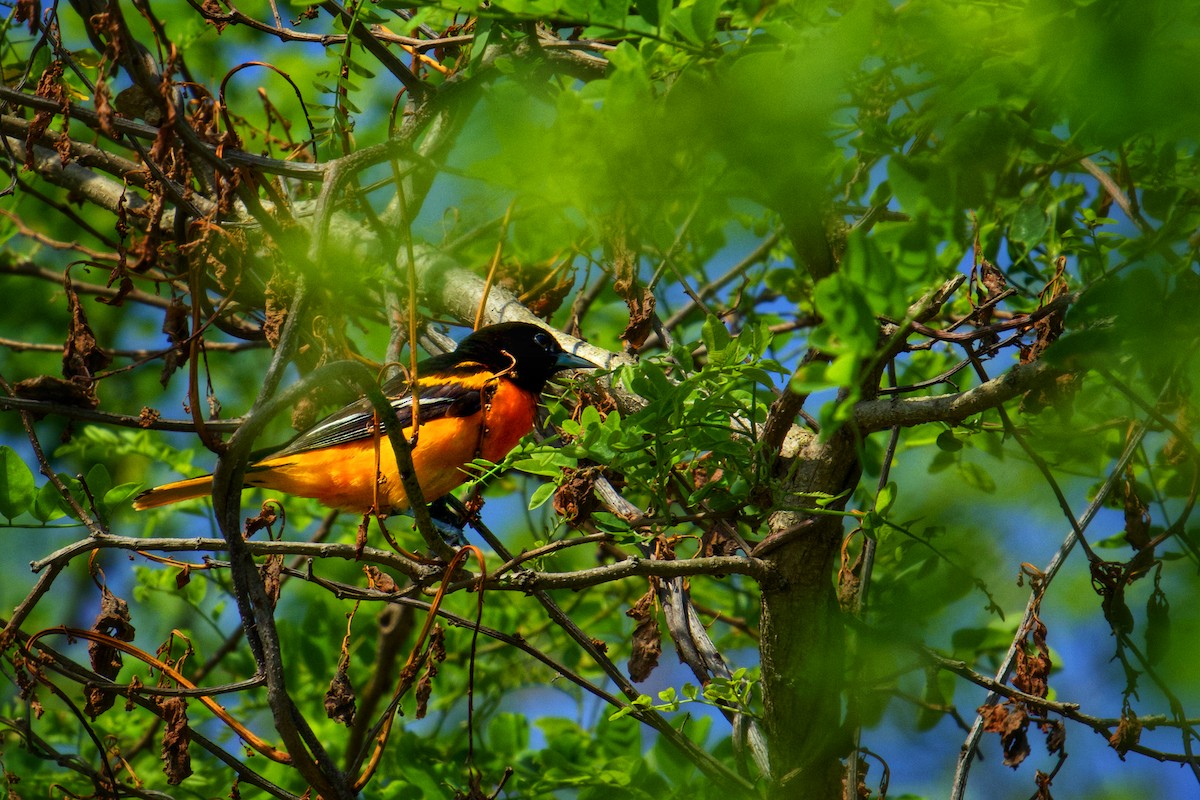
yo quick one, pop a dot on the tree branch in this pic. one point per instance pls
(877, 415)
(967, 753)
(43, 407)
(104, 192)
(254, 606)
(232, 156)
(1100, 725)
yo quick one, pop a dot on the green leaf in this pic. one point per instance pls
(847, 314)
(907, 182)
(48, 504)
(548, 463)
(976, 476)
(939, 688)
(947, 441)
(682, 22)
(483, 34)
(973, 642)
(812, 377)
(119, 495)
(541, 495)
(76, 489)
(704, 19)
(843, 370)
(715, 335)
(16, 484)
(886, 498)
(1029, 224)
(508, 734)
(98, 481)
(651, 10)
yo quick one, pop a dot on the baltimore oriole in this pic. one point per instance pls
(476, 402)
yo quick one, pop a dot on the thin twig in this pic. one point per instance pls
(959, 786)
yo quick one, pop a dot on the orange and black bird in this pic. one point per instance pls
(476, 402)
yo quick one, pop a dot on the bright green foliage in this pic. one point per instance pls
(748, 200)
(16, 484)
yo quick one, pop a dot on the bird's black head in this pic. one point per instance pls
(530, 355)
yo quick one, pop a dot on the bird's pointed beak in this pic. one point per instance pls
(572, 361)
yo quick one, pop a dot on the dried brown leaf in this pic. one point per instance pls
(272, 572)
(309, 12)
(861, 791)
(62, 146)
(1056, 735)
(641, 305)
(437, 654)
(702, 475)
(437, 644)
(214, 15)
(1043, 782)
(105, 112)
(1050, 327)
(360, 535)
(992, 284)
(993, 717)
(113, 621)
(647, 638)
(1109, 580)
(1128, 733)
(175, 326)
(49, 389)
(1032, 668)
(574, 499)
(147, 250)
(542, 290)
(268, 515)
(603, 402)
(24, 672)
(82, 355)
(304, 413)
(28, 11)
(123, 281)
(379, 580)
(638, 298)
(340, 701)
(1011, 721)
(549, 298)
(177, 761)
(717, 542)
(50, 86)
(424, 691)
(277, 300)
(992, 279)
(849, 578)
(1137, 516)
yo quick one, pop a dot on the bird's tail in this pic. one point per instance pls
(174, 493)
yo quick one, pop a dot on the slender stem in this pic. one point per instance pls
(959, 786)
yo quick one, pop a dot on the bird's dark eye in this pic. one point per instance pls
(544, 341)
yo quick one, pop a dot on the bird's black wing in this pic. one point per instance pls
(355, 421)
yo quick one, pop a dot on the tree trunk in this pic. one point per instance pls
(801, 646)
